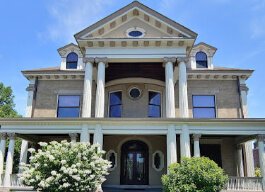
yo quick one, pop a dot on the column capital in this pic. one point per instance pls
(196, 137)
(101, 59)
(11, 135)
(31, 87)
(2, 136)
(243, 87)
(88, 60)
(73, 136)
(261, 138)
(182, 59)
(169, 59)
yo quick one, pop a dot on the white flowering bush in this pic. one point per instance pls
(60, 167)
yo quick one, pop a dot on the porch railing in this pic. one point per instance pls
(243, 184)
(240, 184)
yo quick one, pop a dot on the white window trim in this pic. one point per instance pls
(162, 163)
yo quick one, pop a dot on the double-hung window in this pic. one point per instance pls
(115, 104)
(154, 105)
(204, 106)
(68, 106)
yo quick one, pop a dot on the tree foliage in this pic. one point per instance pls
(197, 174)
(6, 102)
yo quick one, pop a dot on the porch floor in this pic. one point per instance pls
(130, 190)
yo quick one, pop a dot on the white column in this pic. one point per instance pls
(262, 157)
(85, 137)
(73, 137)
(196, 140)
(100, 95)
(2, 152)
(24, 145)
(23, 154)
(250, 169)
(170, 91)
(240, 165)
(9, 160)
(171, 145)
(98, 136)
(185, 142)
(183, 93)
(87, 95)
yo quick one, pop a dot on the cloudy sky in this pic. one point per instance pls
(32, 31)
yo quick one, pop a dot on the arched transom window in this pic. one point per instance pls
(71, 61)
(201, 60)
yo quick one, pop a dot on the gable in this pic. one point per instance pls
(141, 12)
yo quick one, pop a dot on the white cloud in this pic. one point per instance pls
(69, 17)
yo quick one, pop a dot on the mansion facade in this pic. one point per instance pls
(137, 84)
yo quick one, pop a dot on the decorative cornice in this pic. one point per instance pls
(196, 137)
(88, 60)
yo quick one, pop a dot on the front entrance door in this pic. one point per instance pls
(134, 163)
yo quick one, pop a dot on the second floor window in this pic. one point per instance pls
(115, 104)
(71, 61)
(154, 105)
(68, 106)
(204, 106)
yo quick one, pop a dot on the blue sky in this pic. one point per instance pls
(32, 31)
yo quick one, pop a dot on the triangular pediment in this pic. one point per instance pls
(135, 15)
(135, 23)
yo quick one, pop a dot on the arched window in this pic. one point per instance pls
(71, 61)
(201, 60)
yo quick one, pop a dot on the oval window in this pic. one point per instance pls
(135, 93)
(135, 33)
(158, 161)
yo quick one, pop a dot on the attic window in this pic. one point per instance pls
(71, 60)
(135, 32)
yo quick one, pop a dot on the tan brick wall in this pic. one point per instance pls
(47, 95)
(131, 107)
(226, 92)
(227, 97)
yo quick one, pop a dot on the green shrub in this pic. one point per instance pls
(64, 167)
(197, 174)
